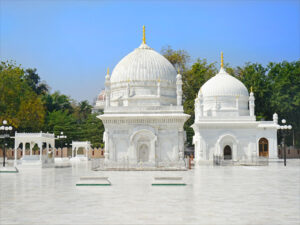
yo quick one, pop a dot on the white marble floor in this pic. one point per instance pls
(213, 195)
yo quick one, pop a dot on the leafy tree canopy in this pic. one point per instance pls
(19, 104)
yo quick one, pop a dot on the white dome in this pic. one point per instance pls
(223, 84)
(143, 64)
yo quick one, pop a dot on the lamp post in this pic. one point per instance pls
(5, 129)
(284, 129)
(60, 137)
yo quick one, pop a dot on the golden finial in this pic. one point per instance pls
(222, 60)
(251, 89)
(178, 70)
(107, 70)
(144, 35)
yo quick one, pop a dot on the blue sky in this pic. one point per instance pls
(71, 43)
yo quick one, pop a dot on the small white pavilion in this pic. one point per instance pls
(81, 144)
(34, 139)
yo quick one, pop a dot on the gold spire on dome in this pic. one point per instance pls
(178, 70)
(222, 60)
(251, 89)
(144, 35)
(107, 70)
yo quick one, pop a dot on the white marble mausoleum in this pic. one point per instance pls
(225, 124)
(143, 115)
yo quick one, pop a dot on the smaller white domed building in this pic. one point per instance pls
(225, 125)
(100, 102)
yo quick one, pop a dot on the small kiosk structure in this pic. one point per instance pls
(40, 139)
(76, 145)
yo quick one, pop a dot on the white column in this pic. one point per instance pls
(47, 148)
(251, 104)
(179, 88)
(106, 145)
(180, 144)
(40, 145)
(275, 118)
(30, 146)
(16, 153)
(53, 150)
(73, 151)
(23, 149)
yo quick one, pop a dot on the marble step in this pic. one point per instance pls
(9, 170)
(93, 181)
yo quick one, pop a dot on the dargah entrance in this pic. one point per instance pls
(227, 153)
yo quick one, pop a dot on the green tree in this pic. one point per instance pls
(178, 58)
(19, 104)
(63, 121)
(57, 101)
(255, 75)
(34, 81)
(92, 130)
(285, 94)
(83, 110)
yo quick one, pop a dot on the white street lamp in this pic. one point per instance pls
(5, 130)
(284, 130)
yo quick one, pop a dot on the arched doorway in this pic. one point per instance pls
(227, 153)
(263, 147)
(143, 145)
(143, 153)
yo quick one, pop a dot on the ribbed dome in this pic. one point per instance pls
(223, 84)
(143, 64)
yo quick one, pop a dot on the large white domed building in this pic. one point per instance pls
(143, 115)
(225, 125)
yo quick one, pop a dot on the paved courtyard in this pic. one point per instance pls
(213, 195)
